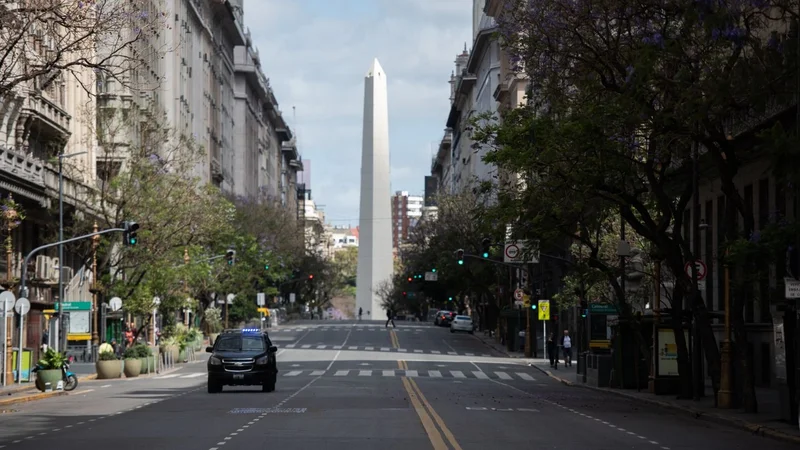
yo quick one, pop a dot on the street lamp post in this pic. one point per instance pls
(95, 309)
(724, 396)
(156, 302)
(59, 322)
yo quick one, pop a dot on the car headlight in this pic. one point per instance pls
(214, 361)
(263, 360)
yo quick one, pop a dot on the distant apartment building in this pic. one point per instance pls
(406, 212)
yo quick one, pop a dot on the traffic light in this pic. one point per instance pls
(486, 244)
(409, 279)
(460, 256)
(311, 276)
(584, 309)
(449, 299)
(404, 293)
(433, 270)
(129, 233)
(533, 306)
(266, 266)
(230, 256)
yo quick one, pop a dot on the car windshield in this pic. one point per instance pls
(463, 318)
(239, 344)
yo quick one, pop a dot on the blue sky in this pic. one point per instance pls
(316, 53)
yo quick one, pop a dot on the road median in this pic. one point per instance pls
(710, 416)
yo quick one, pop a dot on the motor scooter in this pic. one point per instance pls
(69, 378)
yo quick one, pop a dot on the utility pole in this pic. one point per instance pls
(697, 358)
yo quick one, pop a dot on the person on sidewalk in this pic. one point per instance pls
(360, 312)
(566, 344)
(390, 318)
(551, 351)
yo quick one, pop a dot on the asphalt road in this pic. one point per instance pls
(346, 385)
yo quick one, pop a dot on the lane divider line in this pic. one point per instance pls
(448, 434)
(430, 429)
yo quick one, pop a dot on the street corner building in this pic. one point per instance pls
(375, 227)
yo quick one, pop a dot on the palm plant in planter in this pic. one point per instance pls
(108, 366)
(133, 365)
(50, 369)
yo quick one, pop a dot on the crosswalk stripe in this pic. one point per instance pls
(436, 352)
(321, 346)
(480, 374)
(169, 376)
(417, 351)
(525, 376)
(503, 376)
(434, 374)
(452, 353)
(352, 347)
(293, 373)
(290, 346)
(341, 373)
(364, 373)
(194, 375)
(388, 373)
(469, 354)
(337, 347)
(412, 373)
(384, 349)
(369, 348)
(317, 373)
(458, 374)
(306, 346)
(401, 350)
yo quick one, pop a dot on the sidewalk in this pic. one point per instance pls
(765, 423)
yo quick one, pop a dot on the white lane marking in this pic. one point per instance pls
(525, 376)
(401, 350)
(388, 373)
(306, 346)
(364, 373)
(173, 375)
(321, 346)
(469, 354)
(341, 373)
(436, 352)
(417, 351)
(434, 374)
(335, 357)
(105, 386)
(352, 347)
(293, 373)
(412, 373)
(458, 374)
(452, 353)
(503, 376)
(480, 374)
(369, 348)
(337, 347)
(384, 349)
(290, 346)
(317, 373)
(194, 375)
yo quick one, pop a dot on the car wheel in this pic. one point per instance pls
(269, 385)
(452, 330)
(214, 388)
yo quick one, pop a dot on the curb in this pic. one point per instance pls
(756, 429)
(32, 386)
(31, 398)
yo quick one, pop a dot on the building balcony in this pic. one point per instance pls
(289, 150)
(52, 120)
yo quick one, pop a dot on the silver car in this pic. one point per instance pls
(462, 323)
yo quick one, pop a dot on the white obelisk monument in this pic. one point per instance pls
(375, 261)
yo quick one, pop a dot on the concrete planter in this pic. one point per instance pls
(108, 369)
(145, 366)
(52, 376)
(133, 367)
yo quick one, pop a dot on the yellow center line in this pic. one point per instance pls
(430, 429)
(393, 336)
(448, 434)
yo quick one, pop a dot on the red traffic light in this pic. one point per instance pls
(311, 277)
(409, 278)
(404, 294)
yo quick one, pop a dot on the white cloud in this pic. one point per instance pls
(316, 53)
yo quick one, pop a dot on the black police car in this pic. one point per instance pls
(243, 357)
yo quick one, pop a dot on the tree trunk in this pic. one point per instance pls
(744, 354)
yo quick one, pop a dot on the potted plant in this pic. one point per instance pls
(133, 365)
(108, 366)
(50, 369)
(143, 353)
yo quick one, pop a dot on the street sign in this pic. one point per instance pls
(512, 251)
(544, 309)
(431, 276)
(22, 306)
(792, 288)
(602, 308)
(519, 303)
(261, 299)
(7, 298)
(115, 304)
(518, 294)
(230, 298)
(701, 269)
(291, 297)
(526, 300)
(75, 306)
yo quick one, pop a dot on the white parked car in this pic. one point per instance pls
(462, 323)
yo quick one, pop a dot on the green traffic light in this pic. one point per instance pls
(133, 241)
(533, 306)
(449, 299)
(485, 254)
(433, 270)
(266, 266)
(460, 262)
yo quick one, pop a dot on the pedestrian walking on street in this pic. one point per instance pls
(566, 343)
(390, 318)
(552, 351)
(360, 311)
